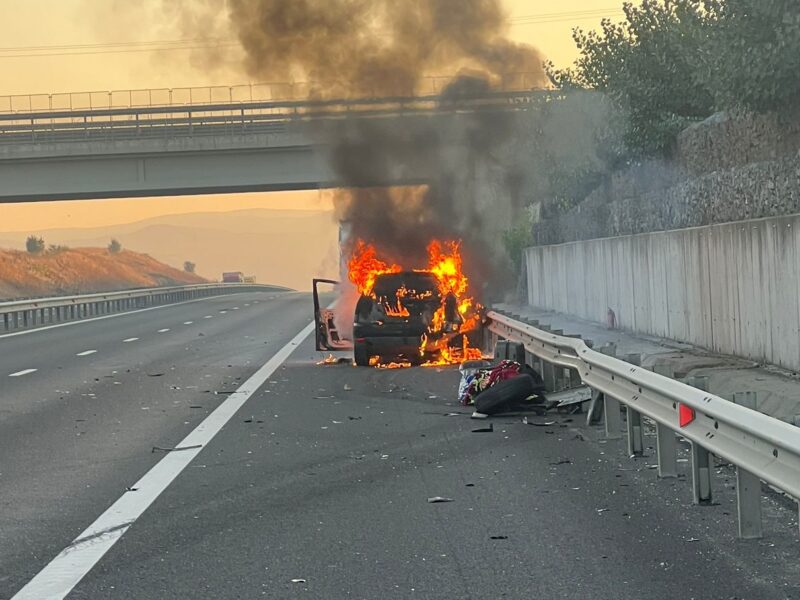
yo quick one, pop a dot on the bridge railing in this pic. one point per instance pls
(761, 447)
(232, 94)
(229, 119)
(23, 314)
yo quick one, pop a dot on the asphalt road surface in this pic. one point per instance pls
(318, 485)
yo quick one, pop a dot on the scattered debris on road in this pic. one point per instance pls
(347, 387)
(438, 499)
(488, 429)
(176, 449)
(535, 424)
(155, 374)
(332, 360)
(498, 537)
(299, 580)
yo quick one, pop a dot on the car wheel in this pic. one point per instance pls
(502, 395)
(361, 354)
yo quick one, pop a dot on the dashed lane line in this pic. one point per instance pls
(86, 353)
(129, 340)
(165, 330)
(23, 372)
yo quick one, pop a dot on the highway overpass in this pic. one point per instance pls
(207, 148)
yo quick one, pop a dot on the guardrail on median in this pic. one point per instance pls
(762, 448)
(22, 314)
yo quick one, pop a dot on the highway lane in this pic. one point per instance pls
(78, 430)
(323, 478)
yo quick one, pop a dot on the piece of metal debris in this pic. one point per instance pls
(347, 387)
(438, 499)
(176, 449)
(498, 537)
(488, 429)
(535, 424)
(298, 580)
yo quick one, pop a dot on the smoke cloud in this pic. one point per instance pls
(463, 183)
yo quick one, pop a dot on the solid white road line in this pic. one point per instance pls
(129, 340)
(64, 572)
(23, 372)
(163, 330)
(86, 353)
(104, 317)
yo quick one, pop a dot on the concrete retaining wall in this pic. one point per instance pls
(732, 288)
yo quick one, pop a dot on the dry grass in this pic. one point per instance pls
(83, 270)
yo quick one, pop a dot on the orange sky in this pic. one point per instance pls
(30, 23)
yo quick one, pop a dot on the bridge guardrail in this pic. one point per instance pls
(22, 314)
(762, 448)
(231, 119)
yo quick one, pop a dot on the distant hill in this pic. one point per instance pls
(282, 247)
(83, 270)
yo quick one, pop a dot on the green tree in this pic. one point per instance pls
(646, 65)
(34, 244)
(189, 266)
(753, 59)
(673, 62)
(115, 247)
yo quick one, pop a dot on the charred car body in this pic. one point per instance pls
(405, 318)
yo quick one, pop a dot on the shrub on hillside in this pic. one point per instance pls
(115, 247)
(34, 244)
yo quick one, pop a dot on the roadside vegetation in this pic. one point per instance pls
(671, 63)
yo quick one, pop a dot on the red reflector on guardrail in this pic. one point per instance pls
(685, 415)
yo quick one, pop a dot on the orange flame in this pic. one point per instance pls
(364, 267)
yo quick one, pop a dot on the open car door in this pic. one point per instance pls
(327, 336)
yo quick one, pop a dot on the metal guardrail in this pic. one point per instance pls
(231, 119)
(23, 314)
(762, 448)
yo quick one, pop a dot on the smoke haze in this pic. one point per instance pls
(358, 48)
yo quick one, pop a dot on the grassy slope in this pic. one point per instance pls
(83, 270)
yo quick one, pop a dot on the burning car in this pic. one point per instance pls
(404, 317)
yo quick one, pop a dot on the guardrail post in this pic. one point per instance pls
(634, 420)
(666, 440)
(701, 458)
(748, 486)
(606, 406)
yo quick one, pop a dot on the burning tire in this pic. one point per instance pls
(361, 354)
(503, 395)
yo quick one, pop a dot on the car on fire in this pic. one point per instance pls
(401, 316)
(404, 319)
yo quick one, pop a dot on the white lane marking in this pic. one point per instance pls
(86, 353)
(246, 305)
(163, 330)
(223, 312)
(64, 572)
(104, 317)
(23, 372)
(235, 308)
(209, 317)
(129, 340)
(188, 322)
